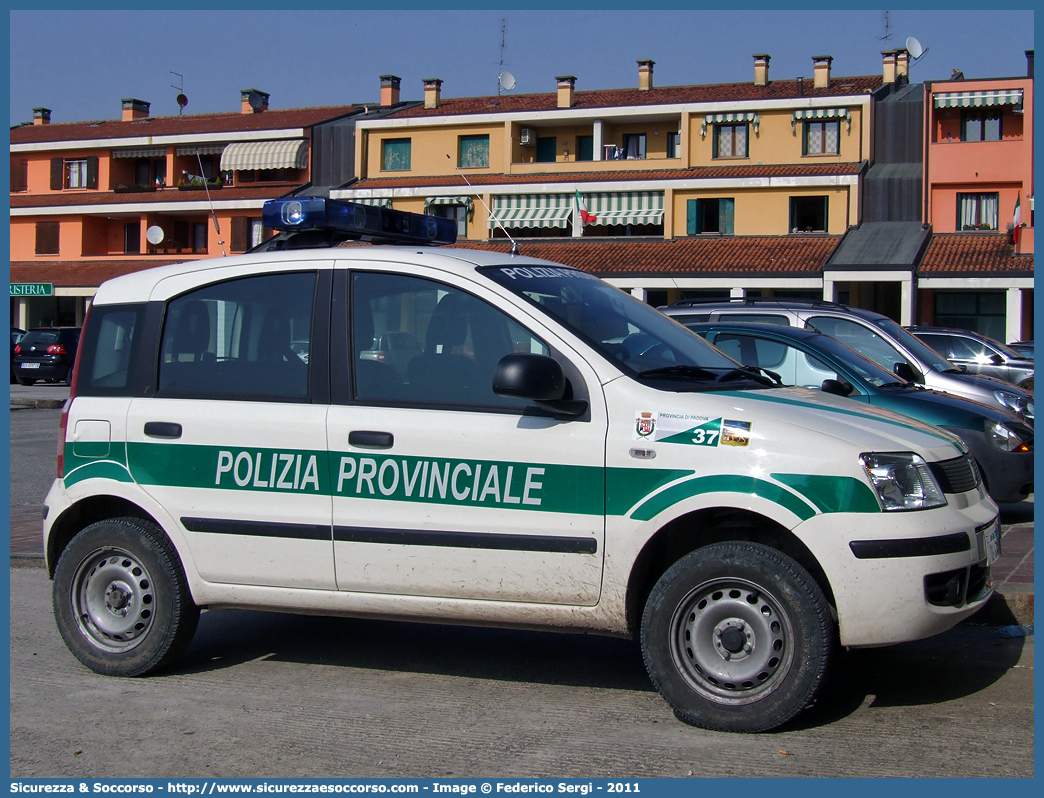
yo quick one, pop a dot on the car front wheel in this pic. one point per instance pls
(737, 636)
(121, 600)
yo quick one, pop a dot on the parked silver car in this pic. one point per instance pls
(873, 335)
(978, 354)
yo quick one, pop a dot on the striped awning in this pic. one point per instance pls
(821, 113)
(380, 202)
(140, 152)
(978, 99)
(201, 149)
(282, 154)
(634, 207)
(532, 210)
(730, 118)
(467, 202)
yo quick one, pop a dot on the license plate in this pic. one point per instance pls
(991, 539)
(30, 365)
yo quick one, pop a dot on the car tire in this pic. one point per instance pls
(737, 636)
(23, 381)
(121, 599)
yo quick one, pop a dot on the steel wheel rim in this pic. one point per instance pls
(113, 600)
(732, 641)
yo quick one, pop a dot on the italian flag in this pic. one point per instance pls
(1018, 218)
(587, 217)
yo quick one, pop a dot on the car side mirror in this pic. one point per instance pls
(996, 359)
(837, 387)
(907, 372)
(539, 379)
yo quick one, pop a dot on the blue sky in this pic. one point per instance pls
(81, 64)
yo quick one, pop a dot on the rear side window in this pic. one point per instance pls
(109, 350)
(862, 339)
(241, 339)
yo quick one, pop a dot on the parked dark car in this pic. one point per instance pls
(1000, 442)
(1024, 348)
(46, 353)
(16, 336)
(978, 354)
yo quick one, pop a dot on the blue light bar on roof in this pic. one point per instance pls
(357, 221)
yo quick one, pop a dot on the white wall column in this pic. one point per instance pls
(906, 301)
(598, 133)
(640, 293)
(829, 289)
(1013, 315)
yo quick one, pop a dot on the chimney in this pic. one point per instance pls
(889, 65)
(390, 90)
(41, 116)
(134, 109)
(821, 71)
(645, 75)
(761, 65)
(1029, 64)
(902, 65)
(566, 90)
(253, 101)
(432, 92)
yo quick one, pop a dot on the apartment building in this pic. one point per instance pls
(93, 200)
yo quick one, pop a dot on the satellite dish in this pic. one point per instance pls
(182, 100)
(914, 48)
(255, 100)
(507, 81)
(154, 235)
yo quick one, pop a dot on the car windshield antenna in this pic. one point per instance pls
(493, 216)
(210, 202)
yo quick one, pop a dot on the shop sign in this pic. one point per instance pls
(32, 289)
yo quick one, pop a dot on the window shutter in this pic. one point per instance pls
(57, 174)
(92, 171)
(727, 209)
(690, 217)
(47, 238)
(20, 176)
(240, 234)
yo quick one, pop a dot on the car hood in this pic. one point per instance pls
(936, 407)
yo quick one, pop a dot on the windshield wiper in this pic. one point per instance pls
(680, 372)
(756, 373)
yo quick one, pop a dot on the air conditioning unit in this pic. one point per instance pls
(526, 136)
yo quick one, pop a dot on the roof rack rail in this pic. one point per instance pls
(316, 222)
(755, 300)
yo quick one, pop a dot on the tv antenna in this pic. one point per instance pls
(181, 99)
(505, 80)
(888, 28)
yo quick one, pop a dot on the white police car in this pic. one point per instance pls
(558, 455)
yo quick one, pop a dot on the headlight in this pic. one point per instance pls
(1017, 404)
(902, 481)
(1009, 437)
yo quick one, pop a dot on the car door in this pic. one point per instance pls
(233, 441)
(441, 487)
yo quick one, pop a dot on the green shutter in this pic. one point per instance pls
(727, 213)
(691, 209)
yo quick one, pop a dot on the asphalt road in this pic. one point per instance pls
(274, 695)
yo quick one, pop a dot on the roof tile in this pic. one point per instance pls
(973, 253)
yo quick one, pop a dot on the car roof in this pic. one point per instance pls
(141, 286)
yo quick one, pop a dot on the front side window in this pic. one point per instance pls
(794, 366)
(711, 216)
(981, 125)
(395, 155)
(239, 339)
(977, 211)
(730, 141)
(861, 338)
(473, 152)
(417, 341)
(823, 138)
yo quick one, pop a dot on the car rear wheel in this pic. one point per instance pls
(24, 381)
(121, 599)
(737, 636)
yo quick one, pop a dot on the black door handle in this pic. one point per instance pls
(162, 429)
(371, 440)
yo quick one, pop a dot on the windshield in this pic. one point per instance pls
(916, 346)
(633, 335)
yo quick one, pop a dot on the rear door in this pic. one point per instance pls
(233, 442)
(442, 488)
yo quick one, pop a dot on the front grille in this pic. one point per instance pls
(957, 475)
